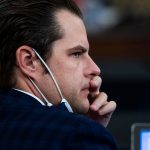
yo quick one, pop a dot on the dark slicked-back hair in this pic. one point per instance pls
(28, 22)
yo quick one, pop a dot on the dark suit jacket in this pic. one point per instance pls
(27, 125)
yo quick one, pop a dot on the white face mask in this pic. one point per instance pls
(55, 82)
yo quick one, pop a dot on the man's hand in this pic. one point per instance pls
(100, 109)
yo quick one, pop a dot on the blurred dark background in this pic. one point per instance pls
(119, 36)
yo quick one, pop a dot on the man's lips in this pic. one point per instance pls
(86, 89)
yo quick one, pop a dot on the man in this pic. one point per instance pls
(49, 84)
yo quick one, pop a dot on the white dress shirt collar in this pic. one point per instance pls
(40, 101)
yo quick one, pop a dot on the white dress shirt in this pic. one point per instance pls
(49, 104)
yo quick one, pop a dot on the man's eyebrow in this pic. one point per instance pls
(79, 47)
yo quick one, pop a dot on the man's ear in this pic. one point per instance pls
(26, 60)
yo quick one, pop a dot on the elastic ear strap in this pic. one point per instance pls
(39, 90)
(52, 76)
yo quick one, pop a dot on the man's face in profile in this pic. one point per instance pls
(70, 63)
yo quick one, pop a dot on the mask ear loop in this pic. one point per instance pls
(47, 102)
(55, 82)
(46, 66)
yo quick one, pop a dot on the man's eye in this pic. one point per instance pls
(77, 54)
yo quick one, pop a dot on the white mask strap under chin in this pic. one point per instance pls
(51, 74)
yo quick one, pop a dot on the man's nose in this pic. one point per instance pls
(93, 69)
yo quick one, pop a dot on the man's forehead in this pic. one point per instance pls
(65, 18)
(72, 29)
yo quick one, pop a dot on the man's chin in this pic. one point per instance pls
(83, 108)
